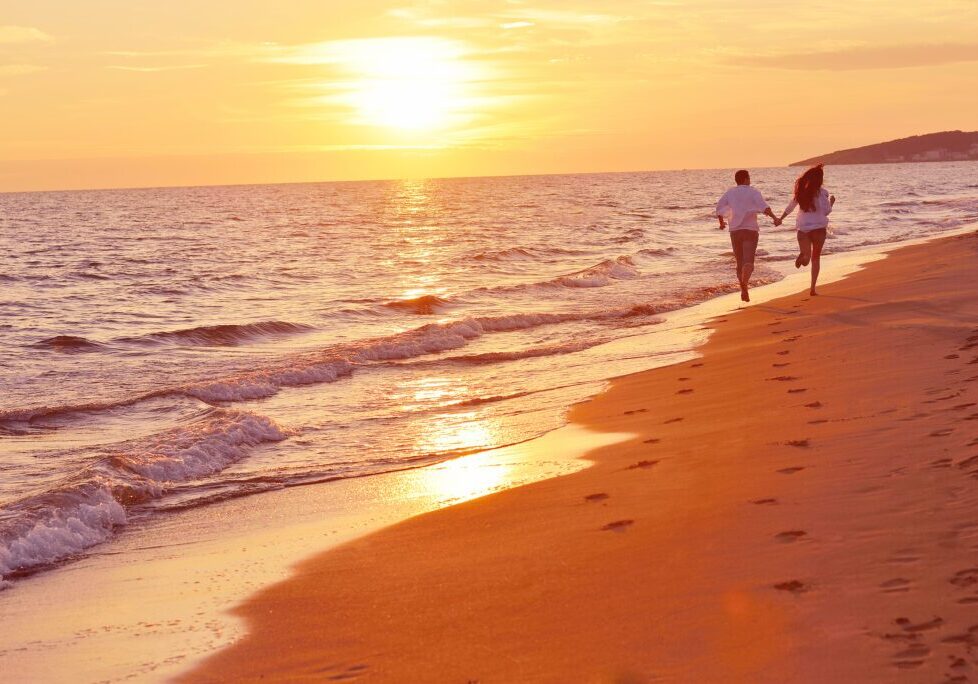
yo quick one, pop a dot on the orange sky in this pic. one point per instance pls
(119, 93)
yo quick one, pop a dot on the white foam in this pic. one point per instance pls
(266, 382)
(200, 449)
(63, 532)
(64, 522)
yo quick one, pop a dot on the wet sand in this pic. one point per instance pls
(796, 505)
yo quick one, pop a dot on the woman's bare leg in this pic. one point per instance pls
(804, 249)
(816, 262)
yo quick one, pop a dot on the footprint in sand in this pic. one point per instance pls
(628, 413)
(814, 404)
(964, 579)
(683, 379)
(651, 440)
(641, 464)
(941, 433)
(618, 525)
(792, 339)
(942, 463)
(791, 471)
(797, 390)
(784, 353)
(352, 672)
(696, 365)
(672, 420)
(685, 391)
(793, 586)
(952, 356)
(801, 443)
(909, 626)
(764, 502)
(592, 498)
(790, 536)
(968, 462)
(818, 421)
(895, 585)
(780, 365)
(783, 378)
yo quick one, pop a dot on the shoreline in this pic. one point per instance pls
(752, 620)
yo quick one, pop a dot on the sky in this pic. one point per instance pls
(127, 93)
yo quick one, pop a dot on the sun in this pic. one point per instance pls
(411, 84)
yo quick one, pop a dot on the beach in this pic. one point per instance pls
(794, 505)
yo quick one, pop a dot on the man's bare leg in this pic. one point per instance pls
(744, 276)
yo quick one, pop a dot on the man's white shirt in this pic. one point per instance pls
(740, 206)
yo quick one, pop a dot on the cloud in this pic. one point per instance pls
(154, 69)
(22, 34)
(19, 69)
(866, 57)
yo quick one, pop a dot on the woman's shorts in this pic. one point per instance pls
(815, 238)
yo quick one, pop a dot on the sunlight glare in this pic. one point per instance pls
(411, 84)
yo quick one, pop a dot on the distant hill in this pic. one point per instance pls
(946, 146)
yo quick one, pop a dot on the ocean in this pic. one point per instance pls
(170, 348)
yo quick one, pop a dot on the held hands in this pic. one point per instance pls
(777, 221)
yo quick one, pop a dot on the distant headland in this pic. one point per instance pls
(932, 147)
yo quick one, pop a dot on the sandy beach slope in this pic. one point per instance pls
(800, 504)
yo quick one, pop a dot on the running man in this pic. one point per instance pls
(738, 209)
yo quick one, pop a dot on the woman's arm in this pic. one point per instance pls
(790, 208)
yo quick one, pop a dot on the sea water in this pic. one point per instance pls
(169, 348)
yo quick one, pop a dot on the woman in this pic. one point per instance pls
(815, 204)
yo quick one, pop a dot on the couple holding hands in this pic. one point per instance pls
(738, 209)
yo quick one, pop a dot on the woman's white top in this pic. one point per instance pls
(812, 220)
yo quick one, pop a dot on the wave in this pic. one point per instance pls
(68, 344)
(423, 305)
(227, 335)
(63, 521)
(522, 253)
(328, 365)
(601, 274)
(657, 251)
(548, 350)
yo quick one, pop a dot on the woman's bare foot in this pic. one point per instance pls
(798, 261)
(743, 294)
(813, 293)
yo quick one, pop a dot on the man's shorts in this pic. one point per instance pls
(744, 246)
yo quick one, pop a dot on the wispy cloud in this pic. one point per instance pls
(865, 57)
(19, 69)
(154, 69)
(22, 34)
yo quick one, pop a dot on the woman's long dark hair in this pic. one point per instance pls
(807, 187)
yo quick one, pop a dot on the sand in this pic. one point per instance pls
(799, 505)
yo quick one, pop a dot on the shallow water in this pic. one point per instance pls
(168, 348)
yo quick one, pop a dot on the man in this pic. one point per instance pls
(738, 208)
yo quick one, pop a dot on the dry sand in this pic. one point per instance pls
(798, 505)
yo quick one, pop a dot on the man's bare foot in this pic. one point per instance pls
(813, 293)
(743, 294)
(798, 261)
